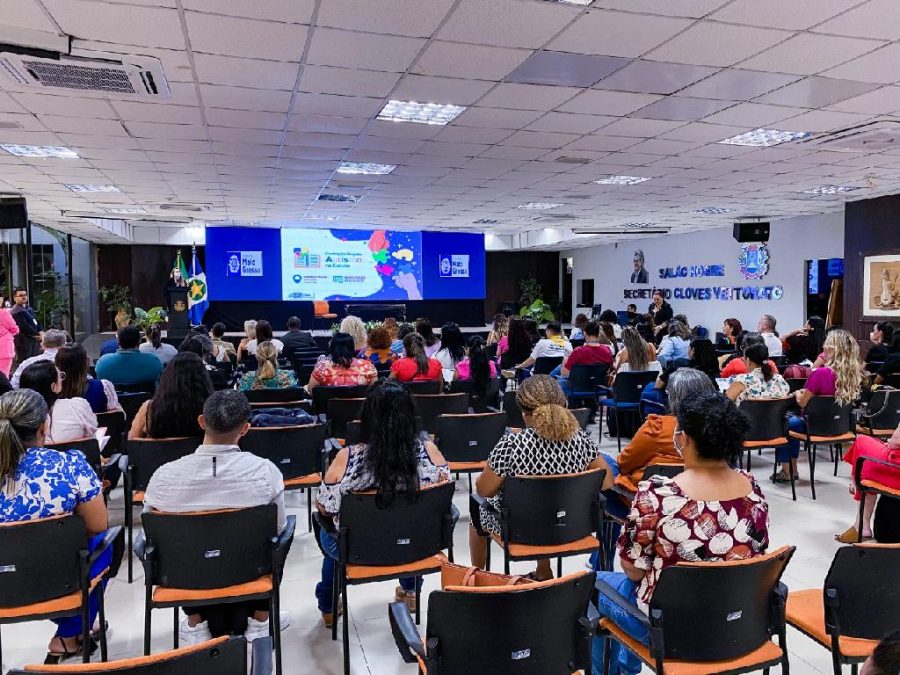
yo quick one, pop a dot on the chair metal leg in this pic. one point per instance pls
(418, 601)
(102, 614)
(174, 628)
(275, 627)
(618, 429)
(338, 575)
(346, 625)
(487, 556)
(859, 523)
(836, 662)
(147, 610)
(559, 567)
(86, 629)
(838, 456)
(854, 669)
(811, 453)
(607, 644)
(505, 561)
(309, 509)
(129, 525)
(470, 482)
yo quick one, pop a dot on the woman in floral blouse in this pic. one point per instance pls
(708, 513)
(268, 375)
(341, 367)
(760, 380)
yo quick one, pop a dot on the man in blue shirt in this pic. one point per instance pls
(129, 365)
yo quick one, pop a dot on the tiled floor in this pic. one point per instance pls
(806, 524)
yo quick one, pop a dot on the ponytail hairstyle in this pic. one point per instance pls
(425, 329)
(40, 377)
(154, 336)
(844, 361)
(22, 412)
(541, 397)
(267, 358)
(758, 355)
(452, 340)
(73, 361)
(479, 365)
(414, 346)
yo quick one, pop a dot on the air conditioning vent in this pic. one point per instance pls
(565, 159)
(873, 136)
(100, 72)
(329, 197)
(555, 217)
(184, 206)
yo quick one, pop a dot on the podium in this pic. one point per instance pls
(179, 323)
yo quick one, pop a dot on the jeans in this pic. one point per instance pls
(784, 453)
(563, 381)
(70, 626)
(614, 507)
(622, 661)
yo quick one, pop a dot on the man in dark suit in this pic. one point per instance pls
(639, 275)
(28, 341)
(295, 339)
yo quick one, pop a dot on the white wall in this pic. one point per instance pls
(792, 241)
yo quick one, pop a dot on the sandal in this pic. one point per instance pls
(53, 658)
(780, 477)
(533, 577)
(850, 536)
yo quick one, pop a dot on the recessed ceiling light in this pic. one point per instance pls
(87, 187)
(366, 168)
(329, 219)
(539, 206)
(621, 180)
(486, 221)
(126, 210)
(54, 151)
(764, 138)
(331, 197)
(831, 189)
(712, 210)
(420, 113)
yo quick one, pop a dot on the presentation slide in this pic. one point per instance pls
(245, 263)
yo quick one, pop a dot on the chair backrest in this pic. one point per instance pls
(146, 455)
(429, 406)
(342, 411)
(131, 403)
(795, 383)
(893, 380)
(478, 402)
(290, 394)
(667, 470)
(90, 447)
(719, 610)
(577, 342)
(585, 378)
(514, 417)
(767, 421)
(250, 362)
(551, 510)
(423, 387)
(825, 417)
(544, 365)
(136, 388)
(412, 527)
(226, 655)
(883, 409)
(491, 351)
(114, 421)
(212, 549)
(322, 394)
(354, 431)
(543, 629)
(469, 438)
(296, 451)
(320, 307)
(862, 596)
(630, 384)
(40, 560)
(582, 415)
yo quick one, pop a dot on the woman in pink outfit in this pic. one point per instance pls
(8, 331)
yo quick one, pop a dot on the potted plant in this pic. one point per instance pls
(538, 310)
(51, 304)
(118, 301)
(144, 318)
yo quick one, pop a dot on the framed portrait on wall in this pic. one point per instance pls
(881, 285)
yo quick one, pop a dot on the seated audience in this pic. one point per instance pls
(128, 365)
(551, 444)
(735, 364)
(432, 342)
(476, 366)
(577, 332)
(499, 329)
(73, 363)
(225, 349)
(839, 377)
(701, 356)
(885, 659)
(397, 344)
(295, 339)
(37, 483)
(378, 349)
(516, 345)
(452, 351)
(531, 327)
(355, 328)
(416, 365)
(154, 345)
(390, 459)
(766, 327)
(69, 419)
(249, 334)
(804, 344)
(392, 327)
(609, 332)
(552, 346)
(709, 436)
(731, 329)
(341, 367)
(177, 401)
(761, 381)
(202, 346)
(637, 354)
(218, 475)
(591, 353)
(880, 336)
(891, 364)
(263, 334)
(609, 316)
(631, 310)
(110, 346)
(267, 374)
(675, 344)
(51, 341)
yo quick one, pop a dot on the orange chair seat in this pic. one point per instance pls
(881, 487)
(860, 429)
(799, 435)
(310, 480)
(466, 466)
(163, 594)
(771, 443)
(806, 612)
(363, 573)
(767, 654)
(66, 603)
(584, 545)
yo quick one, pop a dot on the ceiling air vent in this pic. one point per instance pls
(873, 136)
(184, 206)
(565, 159)
(97, 72)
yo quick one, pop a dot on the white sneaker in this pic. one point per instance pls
(192, 635)
(260, 629)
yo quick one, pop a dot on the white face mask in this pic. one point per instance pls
(678, 448)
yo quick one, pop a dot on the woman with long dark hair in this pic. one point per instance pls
(154, 345)
(432, 341)
(390, 459)
(805, 343)
(341, 367)
(516, 346)
(416, 365)
(531, 327)
(69, 419)
(73, 362)
(499, 329)
(264, 334)
(476, 366)
(453, 349)
(178, 401)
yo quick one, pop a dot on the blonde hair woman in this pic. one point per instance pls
(249, 334)
(841, 377)
(268, 375)
(355, 328)
(636, 355)
(551, 440)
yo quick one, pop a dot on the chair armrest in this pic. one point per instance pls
(407, 638)
(622, 602)
(140, 546)
(107, 541)
(286, 536)
(325, 522)
(476, 502)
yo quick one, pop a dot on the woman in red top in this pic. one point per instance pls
(416, 366)
(341, 367)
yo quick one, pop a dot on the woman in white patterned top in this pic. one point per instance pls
(392, 460)
(552, 445)
(760, 381)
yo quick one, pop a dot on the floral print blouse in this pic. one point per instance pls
(283, 379)
(47, 483)
(756, 387)
(360, 371)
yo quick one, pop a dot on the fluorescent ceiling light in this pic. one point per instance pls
(486, 221)
(126, 210)
(582, 3)
(420, 113)
(87, 187)
(329, 219)
(764, 138)
(332, 197)
(622, 180)
(634, 226)
(712, 210)
(831, 189)
(366, 168)
(54, 151)
(539, 206)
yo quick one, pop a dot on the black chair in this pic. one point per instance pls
(322, 394)
(249, 362)
(342, 411)
(144, 457)
(465, 441)
(136, 388)
(546, 517)
(514, 417)
(576, 343)
(881, 415)
(667, 470)
(544, 629)
(383, 369)
(220, 656)
(45, 568)
(116, 428)
(291, 397)
(585, 382)
(892, 380)
(354, 431)
(716, 617)
(583, 415)
(131, 403)
(627, 396)
(196, 559)
(491, 351)
(296, 451)
(858, 604)
(544, 365)
(429, 406)
(423, 387)
(768, 429)
(376, 543)
(796, 383)
(826, 422)
(480, 403)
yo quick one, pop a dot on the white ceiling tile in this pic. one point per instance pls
(702, 132)
(570, 123)
(393, 17)
(793, 15)
(540, 139)
(458, 134)
(808, 53)
(651, 77)
(717, 44)
(25, 14)
(346, 81)
(347, 49)
(738, 85)
(243, 72)
(496, 118)
(288, 11)
(440, 89)
(149, 112)
(62, 104)
(878, 66)
(506, 23)
(639, 128)
(617, 33)
(243, 119)
(681, 108)
(816, 92)
(751, 115)
(608, 102)
(873, 19)
(215, 34)
(267, 136)
(235, 98)
(880, 101)
(689, 8)
(327, 123)
(528, 96)
(341, 106)
(83, 125)
(125, 24)
(480, 62)
(823, 120)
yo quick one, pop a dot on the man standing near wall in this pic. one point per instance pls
(28, 341)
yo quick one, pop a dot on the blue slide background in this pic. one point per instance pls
(438, 244)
